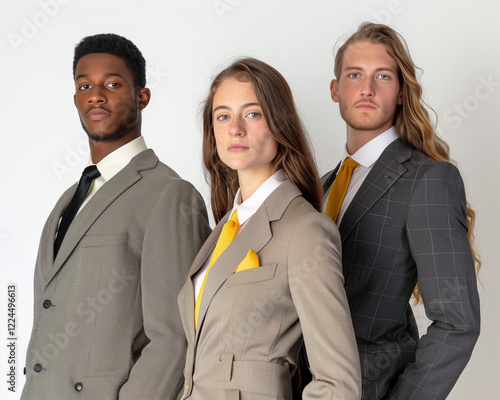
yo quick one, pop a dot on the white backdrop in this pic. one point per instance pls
(43, 148)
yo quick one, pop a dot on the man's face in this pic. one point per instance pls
(106, 99)
(367, 89)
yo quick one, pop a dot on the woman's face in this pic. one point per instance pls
(242, 135)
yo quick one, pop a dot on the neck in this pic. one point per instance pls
(249, 182)
(356, 138)
(99, 150)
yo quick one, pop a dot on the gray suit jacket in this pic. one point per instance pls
(407, 222)
(106, 323)
(251, 323)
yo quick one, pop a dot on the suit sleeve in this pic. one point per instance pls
(437, 233)
(176, 229)
(316, 285)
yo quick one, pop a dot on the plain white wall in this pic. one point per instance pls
(43, 148)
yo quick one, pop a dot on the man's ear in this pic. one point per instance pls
(334, 90)
(143, 95)
(74, 99)
(400, 98)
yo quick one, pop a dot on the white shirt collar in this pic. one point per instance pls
(252, 204)
(371, 151)
(115, 161)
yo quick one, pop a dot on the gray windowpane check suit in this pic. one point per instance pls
(407, 222)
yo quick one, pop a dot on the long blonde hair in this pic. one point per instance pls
(412, 120)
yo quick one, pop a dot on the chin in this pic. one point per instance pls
(105, 136)
(368, 125)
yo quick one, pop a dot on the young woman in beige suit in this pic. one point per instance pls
(272, 278)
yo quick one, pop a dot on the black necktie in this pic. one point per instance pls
(88, 175)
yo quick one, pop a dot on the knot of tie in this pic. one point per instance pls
(91, 172)
(349, 163)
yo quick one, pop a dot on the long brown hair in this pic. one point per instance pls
(294, 154)
(412, 120)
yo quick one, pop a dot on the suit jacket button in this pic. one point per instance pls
(79, 386)
(47, 304)
(37, 367)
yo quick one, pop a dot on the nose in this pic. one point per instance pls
(96, 96)
(236, 127)
(367, 90)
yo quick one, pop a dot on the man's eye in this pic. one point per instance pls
(353, 75)
(383, 76)
(83, 87)
(113, 84)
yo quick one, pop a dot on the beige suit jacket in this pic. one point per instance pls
(106, 322)
(251, 323)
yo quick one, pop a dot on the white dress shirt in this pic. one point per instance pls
(366, 157)
(110, 165)
(113, 163)
(245, 211)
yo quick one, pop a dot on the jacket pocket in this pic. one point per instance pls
(100, 387)
(117, 240)
(262, 273)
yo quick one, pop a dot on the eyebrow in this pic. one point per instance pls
(223, 107)
(107, 75)
(376, 69)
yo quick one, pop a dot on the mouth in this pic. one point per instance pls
(237, 147)
(364, 105)
(98, 114)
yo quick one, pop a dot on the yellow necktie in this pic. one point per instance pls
(339, 188)
(226, 237)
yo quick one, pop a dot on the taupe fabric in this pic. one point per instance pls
(252, 322)
(112, 327)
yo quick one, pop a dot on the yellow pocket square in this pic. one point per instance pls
(250, 261)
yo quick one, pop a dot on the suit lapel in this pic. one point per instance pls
(255, 235)
(188, 304)
(385, 172)
(328, 179)
(104, 197)
(46, 252)
(186, 308)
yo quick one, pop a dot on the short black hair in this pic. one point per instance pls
(116, 45)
